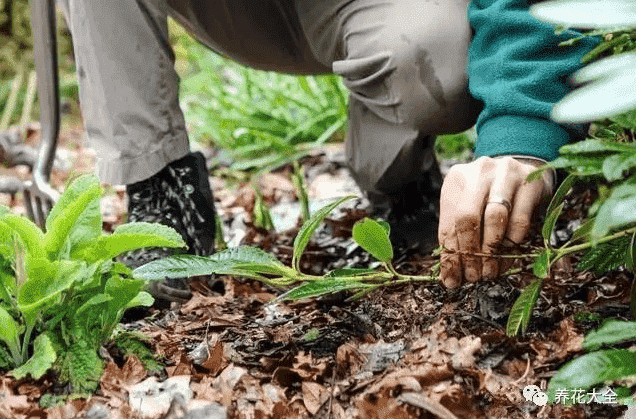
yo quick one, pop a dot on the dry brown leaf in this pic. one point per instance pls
(216, 360)
(349, 359)
(313, 396)
(133, 371)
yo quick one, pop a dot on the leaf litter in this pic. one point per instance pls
(409, 351)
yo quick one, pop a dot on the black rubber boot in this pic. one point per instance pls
(180, 197)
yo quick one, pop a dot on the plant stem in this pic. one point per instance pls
(567, 250)
(25, 342)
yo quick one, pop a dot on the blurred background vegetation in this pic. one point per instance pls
(261, 119)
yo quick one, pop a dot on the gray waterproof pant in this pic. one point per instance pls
(404, 62)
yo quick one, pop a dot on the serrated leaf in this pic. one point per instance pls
(541, 265)
(605, 257)
(308, 228)
(522, 309)
(373, 238)
(611, 331)
(318, 288)
(590, 369)
(340, 272)
(43, 358)
(132, 236)
(59, 228)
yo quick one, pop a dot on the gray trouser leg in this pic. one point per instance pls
(128, 86)
(405, 64)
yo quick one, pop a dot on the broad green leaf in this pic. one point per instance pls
(340, 272)
(87, 228)
(618, 210)
(541, 265)
(9, 332)
(4, 210)
(88, 224)
(43, 358)
(611, 331)
(308, 229)
(30, 235)
(318, 288)
(59, 228)
(132, 236)
(594, 368)
(122, 292)
(550, 222)
(46, 281)
(74, 190)
(142, 299)
(373, 238)
(184, 266)
(586, 13)
(522, 309)
(252, 259)
(386, 226)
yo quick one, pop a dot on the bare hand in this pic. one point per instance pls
(482, 204)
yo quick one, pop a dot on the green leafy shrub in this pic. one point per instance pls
(252, 262)
(64, 285)
(609, 159)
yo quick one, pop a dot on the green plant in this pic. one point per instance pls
(264, 119)
(251, 262)
(63, 287)
(608, 158)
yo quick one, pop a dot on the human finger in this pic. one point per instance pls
(496, 214)
(450, 264)
(468, 222)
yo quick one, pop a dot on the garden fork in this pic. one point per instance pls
(39, 196)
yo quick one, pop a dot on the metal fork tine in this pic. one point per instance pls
(28, 202)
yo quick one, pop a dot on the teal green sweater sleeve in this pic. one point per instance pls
(517, 69)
